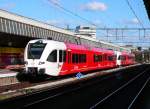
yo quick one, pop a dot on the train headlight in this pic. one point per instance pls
(40, 63)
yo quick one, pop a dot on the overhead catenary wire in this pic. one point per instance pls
(140, 22)
(70, 12)
(90, 22)
(74, 14)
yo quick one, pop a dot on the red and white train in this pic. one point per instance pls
(55, 58)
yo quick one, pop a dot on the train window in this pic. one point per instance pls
(52, 56)
(35, 50)
(97, 58)
(119, 58)
(110, 58)
(115, 57)
(84, 58)
(73, 58)
(122, 57)
(80, 58)
(105, 57)
(77, 58)
(69, 57)
(64, 56)
(60, 56)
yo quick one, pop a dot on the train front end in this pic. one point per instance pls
(41, 58)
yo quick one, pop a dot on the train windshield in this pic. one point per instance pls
(35, 50)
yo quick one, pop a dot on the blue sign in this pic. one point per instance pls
(79, 75)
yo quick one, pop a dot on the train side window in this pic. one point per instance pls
(122, 57)
(105, 57)
(73, 58)
(94, 58)
(80, 58)
(115, 57)
(97, 58)
(83, 58)
(119, 58)
(60, 56)
(64, 56)
(110, 58)
(77, 58)
(69, 56)
(52, 56)
(102, 57)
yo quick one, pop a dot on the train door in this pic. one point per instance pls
(118, 59)
(61, 59)
(52, 63)
(105, 60)
(69, 65)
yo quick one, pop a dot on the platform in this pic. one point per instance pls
(7, 77)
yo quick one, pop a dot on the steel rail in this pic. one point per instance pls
(120, 88)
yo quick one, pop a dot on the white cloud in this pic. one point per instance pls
(133, 21)
(94, 6)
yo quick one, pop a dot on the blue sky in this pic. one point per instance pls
(104, 13)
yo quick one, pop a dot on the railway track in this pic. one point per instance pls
(26, 83)
(128, 93)
(92, 93)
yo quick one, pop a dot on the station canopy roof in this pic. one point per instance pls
(12, 23)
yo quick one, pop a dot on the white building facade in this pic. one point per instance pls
(86, 31)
